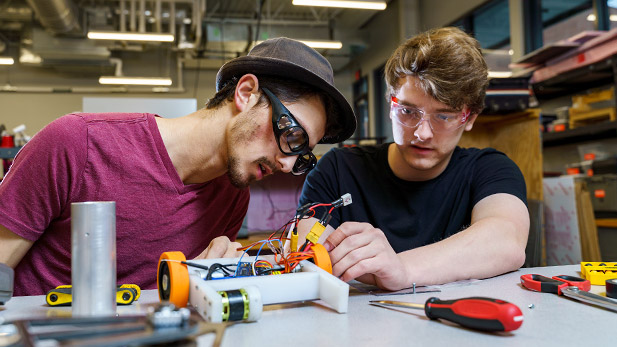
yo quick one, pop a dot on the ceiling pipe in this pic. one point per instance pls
(197, 12)
(57, 16)
(122, 16)
(172, 18)
(157, 16)
(142, 16)
(133, 25)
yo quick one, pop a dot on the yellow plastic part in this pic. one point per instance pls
(315, 232)
(63, 296)
(598, 272)
(135, 287)
(60, 296)
(294, 242)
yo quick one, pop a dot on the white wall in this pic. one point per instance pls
(36, 110)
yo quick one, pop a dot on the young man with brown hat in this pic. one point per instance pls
(424, 210)
(179, 184)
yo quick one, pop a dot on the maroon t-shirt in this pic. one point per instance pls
(110, 157)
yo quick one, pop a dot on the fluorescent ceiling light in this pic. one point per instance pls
(318, 44)
(113, 35)
(499, 74)
(6, 61)
(323, 44)
(367, 5)
(142, 81)
(592, 17)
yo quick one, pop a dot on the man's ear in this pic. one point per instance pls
(247, 87)
(470, 121)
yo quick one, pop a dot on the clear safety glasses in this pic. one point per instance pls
(439, 122)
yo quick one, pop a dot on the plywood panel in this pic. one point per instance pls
(518, 136)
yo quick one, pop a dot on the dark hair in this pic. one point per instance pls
(286, 90)
(448, 64)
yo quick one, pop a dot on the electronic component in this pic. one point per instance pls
(244, 269)
(242, 298)
(315, 233)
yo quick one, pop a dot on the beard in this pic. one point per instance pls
(242, 134)
(236, 177)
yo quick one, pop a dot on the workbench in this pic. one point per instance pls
(549, 320)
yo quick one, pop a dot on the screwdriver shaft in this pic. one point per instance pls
(398, 304)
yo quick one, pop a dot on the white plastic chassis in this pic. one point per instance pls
(311, 283)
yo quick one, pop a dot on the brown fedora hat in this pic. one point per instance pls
(287, 58)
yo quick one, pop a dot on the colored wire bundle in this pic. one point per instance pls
(287, 261)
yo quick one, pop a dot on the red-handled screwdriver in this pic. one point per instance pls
(478, 313)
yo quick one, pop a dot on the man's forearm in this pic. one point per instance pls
(488, 248)
(12, 247)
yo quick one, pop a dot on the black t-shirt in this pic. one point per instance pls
(411, 214)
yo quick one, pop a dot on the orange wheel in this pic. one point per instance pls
(173, 279)
(322, 258)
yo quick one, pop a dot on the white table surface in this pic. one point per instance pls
(553, 320)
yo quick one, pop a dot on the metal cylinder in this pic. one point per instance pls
(93, 258)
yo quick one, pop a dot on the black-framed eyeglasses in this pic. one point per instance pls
(291, 137)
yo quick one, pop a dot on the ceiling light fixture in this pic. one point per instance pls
(592, 17)
(7, 61)
(323, 44)
(366, 5)
(318, 44)
(113, 35)
(141, 81)
(499, 74)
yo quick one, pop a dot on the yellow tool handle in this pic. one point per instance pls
(62, 295)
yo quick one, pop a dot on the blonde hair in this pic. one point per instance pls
(448, 64)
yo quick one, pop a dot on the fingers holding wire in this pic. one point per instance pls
(364, 250)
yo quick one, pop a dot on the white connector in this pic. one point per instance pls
(346, 199)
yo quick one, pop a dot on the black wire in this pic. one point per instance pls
(223, 268)
(261, 272)
(195, 265)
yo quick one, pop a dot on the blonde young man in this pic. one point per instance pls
(424, 210)
(179, 184)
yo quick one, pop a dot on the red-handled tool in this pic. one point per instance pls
(554, 284)
(478, 313)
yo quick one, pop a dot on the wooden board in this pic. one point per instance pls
(590, 245)
(518, 136)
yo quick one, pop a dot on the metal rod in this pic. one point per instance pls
(132, 24)
(122, 16)
(397, 304)
(142, 16)
(590, 298)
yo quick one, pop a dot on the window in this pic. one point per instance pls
(491, 24)
(612, 11)
(562, 19)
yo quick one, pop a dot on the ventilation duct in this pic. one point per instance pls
(57, 16)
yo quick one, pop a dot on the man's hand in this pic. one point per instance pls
(221, 247)
(360, 251)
